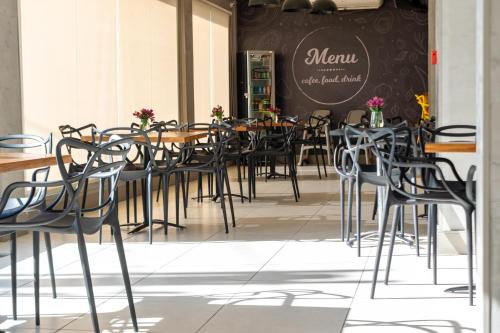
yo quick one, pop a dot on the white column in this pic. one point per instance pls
(488, 78)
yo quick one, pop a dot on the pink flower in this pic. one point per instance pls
(375, 103)
(217, 112)
(145, 114)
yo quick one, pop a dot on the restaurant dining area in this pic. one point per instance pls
(213, 166)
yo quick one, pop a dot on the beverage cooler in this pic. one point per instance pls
(257, 82)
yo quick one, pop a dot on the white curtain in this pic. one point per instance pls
(210, 60)
(97, 61)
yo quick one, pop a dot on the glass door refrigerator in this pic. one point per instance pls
(259, 82)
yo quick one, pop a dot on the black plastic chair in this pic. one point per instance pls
(35, 201)
(396, 166)
(68, 131)
(141, 166)
(310, 135)
(271, 147)
(106, 163)
(202, 158)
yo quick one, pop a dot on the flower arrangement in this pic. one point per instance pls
(376, 104)
(218, 112)
(422, 100)
(145, 116)
(274, 112)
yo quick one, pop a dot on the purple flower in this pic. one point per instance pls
(375, 103)
(217, 112)
(145, 114)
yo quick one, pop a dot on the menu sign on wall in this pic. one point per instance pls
(331, 66)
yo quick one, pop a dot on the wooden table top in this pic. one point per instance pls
(167, 137)
(451, 147)
(17, 161)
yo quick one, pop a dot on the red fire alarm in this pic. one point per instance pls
(434, 57)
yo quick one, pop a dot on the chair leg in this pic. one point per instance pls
(177, 188)
(323, 158)
(184, 193)
(36, 271)
(149, 205)
(342, 208)
(134, 195)
(397, 214)
(317, 159)
(87, 278)
(48, 247)
(349, 207)
(249, 180)
(85, 190)
(127, 201)
(101, 194)
(126, 278)
(380, 245)
(415, 229)
(159, 188)
(220, 188)
(165, 184)
(470, 254)
(293, 179)
(358, 216)
(229, 196)
(240, 181)
(375, 206)
(429, 238)
(433, 214)
(13, 272)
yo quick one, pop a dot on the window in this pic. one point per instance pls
(97, 61)
(210, 59)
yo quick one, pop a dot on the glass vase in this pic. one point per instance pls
(377, 119)
(144, 124)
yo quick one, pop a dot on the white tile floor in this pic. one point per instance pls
(282, 269)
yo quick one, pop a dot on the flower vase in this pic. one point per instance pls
(377, 119)
(144, 124)
(219, 120)
(274, 116)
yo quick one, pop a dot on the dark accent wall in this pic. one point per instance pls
(393, 45)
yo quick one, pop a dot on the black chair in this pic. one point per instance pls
(34, 201)
(67, 131)
(396, 164)
(106, 163)
(428, 133)
(202, 158)
(271, 147)
(141, 166)
(311, 135)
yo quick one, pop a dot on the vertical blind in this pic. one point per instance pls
(97, 61)
(210, 59)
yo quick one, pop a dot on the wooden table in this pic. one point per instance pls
(261, 125)
(451, 147)
(17, 161)
(167, 137)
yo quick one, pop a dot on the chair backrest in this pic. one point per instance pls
(27, 141)
(106, 163)
(145, 149)
(427, 134)
(355, 117)
(392, 146)
(317, 115)
(31, 143)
